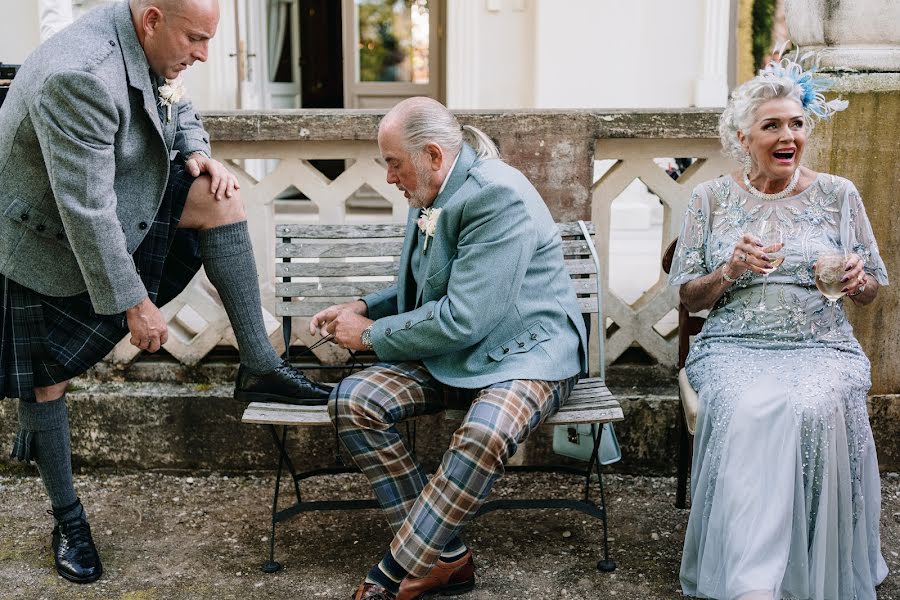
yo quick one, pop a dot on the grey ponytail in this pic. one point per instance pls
(485, 148)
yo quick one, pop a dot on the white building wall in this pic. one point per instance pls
(508, 54)
(613, 54)
(19, 29)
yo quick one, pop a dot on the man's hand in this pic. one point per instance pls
(345, 322)
(147, 326)
(222, 184)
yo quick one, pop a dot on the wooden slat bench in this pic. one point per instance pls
(352, 261)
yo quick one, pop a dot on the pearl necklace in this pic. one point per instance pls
(795, 179)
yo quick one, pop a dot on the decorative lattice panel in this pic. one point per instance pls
(197, 321)
(637, 321)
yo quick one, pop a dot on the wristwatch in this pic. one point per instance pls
(366, 338)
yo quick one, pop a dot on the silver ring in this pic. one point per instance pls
(744, 257)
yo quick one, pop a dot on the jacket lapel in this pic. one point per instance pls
(136, 67)
(406, 283)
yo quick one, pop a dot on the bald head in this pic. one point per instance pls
(175, 7)
(174, 33)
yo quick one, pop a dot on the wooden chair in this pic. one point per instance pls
(688, 325)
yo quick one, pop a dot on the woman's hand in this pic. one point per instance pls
(855, 277)
(749, 255)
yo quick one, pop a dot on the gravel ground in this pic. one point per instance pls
(165, 536)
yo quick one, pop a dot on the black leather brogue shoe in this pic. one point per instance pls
(74, 552)
(284, 384)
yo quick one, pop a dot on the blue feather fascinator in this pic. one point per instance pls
(811, 83)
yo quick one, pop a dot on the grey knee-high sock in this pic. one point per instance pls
(44, 438)
(228, 259)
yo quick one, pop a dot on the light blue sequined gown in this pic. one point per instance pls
(785, 489)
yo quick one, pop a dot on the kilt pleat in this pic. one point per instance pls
(45, 340)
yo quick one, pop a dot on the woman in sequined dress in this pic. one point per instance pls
(785, 485)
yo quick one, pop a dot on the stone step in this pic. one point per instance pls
(197, 427)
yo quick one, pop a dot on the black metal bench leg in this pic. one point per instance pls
(605, 565)
(271, 565)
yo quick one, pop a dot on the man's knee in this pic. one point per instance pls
(203, 210)
(51, 392)
(490, 432)
(354, 403)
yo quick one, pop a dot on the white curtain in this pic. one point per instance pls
(279, 12)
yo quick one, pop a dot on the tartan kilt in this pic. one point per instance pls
(45, 340)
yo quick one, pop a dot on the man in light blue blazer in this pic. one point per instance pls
(109, 201)
(483, 309)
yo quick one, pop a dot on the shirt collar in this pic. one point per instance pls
(447, 176)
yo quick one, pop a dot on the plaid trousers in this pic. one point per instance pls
(426, 514)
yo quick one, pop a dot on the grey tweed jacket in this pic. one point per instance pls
(84, 161)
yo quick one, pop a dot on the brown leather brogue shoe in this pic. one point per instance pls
(370, 591)
(449, 579)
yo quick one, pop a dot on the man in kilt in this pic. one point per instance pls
(483, 312)
(109, 204)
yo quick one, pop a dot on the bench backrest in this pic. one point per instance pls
(321, 265)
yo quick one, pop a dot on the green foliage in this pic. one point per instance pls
(763, 19)
(375, 23)
(384, 42)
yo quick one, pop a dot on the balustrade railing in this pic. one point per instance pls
(277, 158)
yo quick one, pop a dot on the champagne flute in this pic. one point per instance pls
(770, 233)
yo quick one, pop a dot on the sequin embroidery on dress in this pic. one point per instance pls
(785, 482)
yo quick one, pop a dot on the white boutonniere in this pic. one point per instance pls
(171, 94)
(427, 223)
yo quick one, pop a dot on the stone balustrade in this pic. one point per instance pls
(558, 150)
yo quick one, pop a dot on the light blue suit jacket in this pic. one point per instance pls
(495, 302)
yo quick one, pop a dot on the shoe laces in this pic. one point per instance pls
(77, 532)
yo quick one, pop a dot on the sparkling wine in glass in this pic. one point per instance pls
(770, 233)
(830, 271)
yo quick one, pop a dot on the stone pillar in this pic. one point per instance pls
(463, 54)
(711, 89)
(858, 42)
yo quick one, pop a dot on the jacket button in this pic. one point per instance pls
(506, 351)
(387, 331)
(41, 227)
(24, 216)
(112, 43)
(521, 344)
(430, 315)
(533, 336)
(408, 325)
(142, 225)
